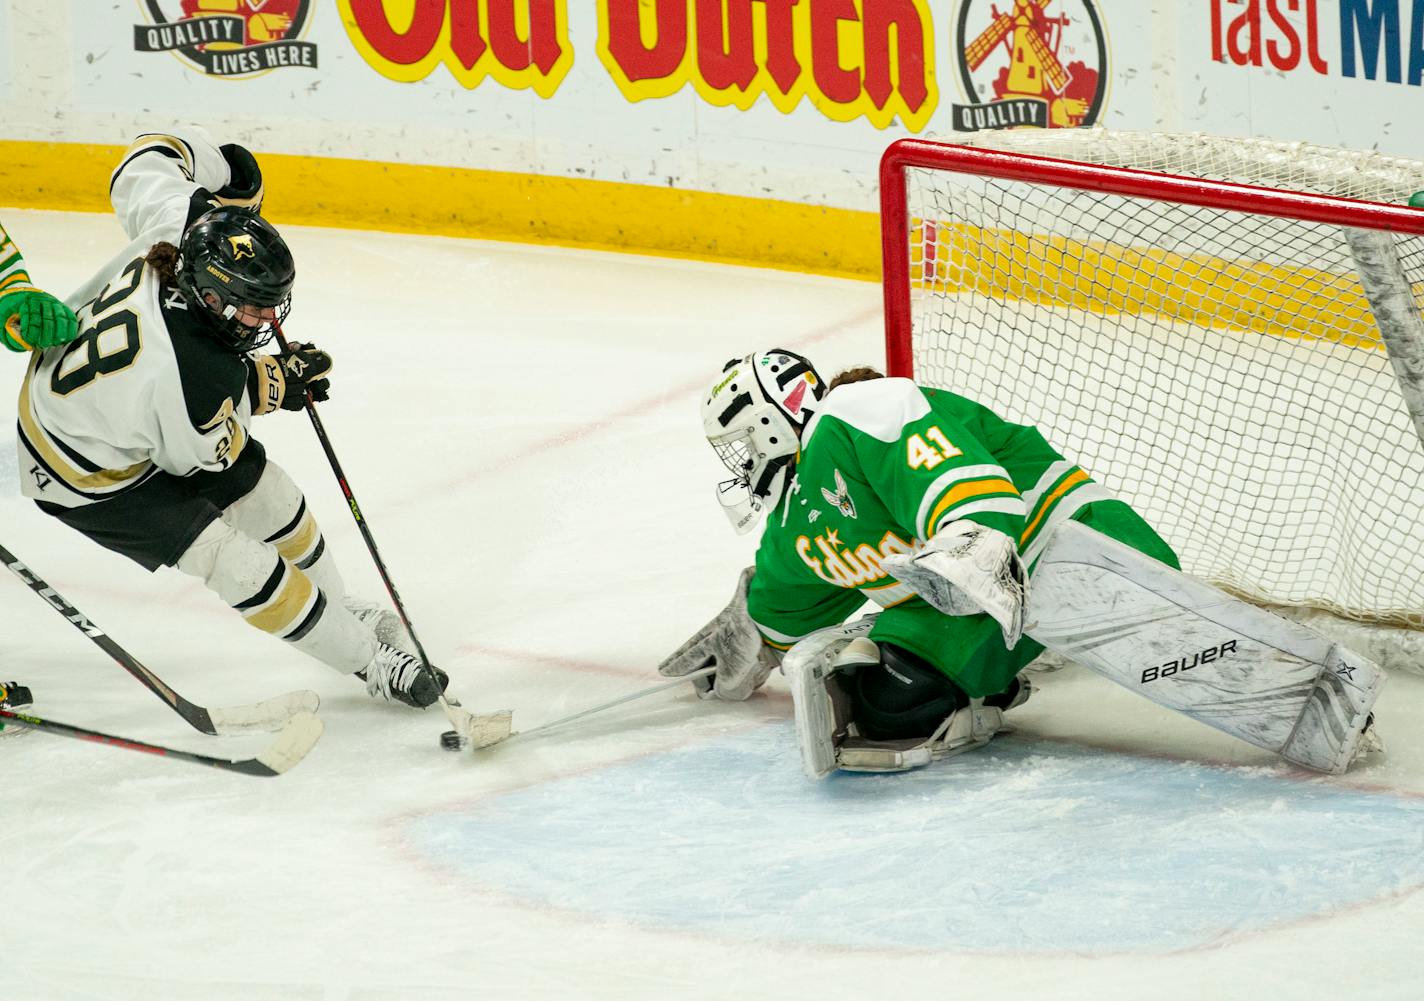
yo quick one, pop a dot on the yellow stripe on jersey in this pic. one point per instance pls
(1074, 479)
(19, 279)
(967, 490)
(35, 438)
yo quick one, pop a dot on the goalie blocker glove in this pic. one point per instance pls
(732, 644)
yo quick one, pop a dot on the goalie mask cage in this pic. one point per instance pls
(1226, 333)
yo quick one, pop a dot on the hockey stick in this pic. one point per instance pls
(564, 720)
(272, 714)
(478, 730)
(298, 737)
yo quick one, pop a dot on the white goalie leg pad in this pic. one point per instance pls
(1193, 648)
(821, 706)
(825, 733)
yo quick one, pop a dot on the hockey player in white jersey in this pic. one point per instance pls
(137, 433)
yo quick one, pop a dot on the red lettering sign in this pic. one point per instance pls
(475, 39)
(837, 53)
(1243, 39)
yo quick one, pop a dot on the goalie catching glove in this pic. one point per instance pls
(732, 644)
(964, 569)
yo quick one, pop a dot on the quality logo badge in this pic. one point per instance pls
(229, 38)
(1039, 63)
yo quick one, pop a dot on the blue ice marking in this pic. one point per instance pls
(1023, 846)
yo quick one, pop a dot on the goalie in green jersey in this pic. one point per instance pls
(879, 489)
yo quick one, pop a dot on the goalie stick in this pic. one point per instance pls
(297, 737)
(477, 730)
(272, 714)
(602, 707)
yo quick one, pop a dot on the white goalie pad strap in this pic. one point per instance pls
(1186, 645)
(966, 729)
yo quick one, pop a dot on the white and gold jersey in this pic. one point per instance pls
(144, 387)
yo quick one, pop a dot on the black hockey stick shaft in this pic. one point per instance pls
(245, 766)
(361, 523)
(194, 715)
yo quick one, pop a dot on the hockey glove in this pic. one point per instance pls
(35, 319)
(732, 644)
(244, 186)
(965, 569)
(305, 368)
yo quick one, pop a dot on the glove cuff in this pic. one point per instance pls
(267, 384)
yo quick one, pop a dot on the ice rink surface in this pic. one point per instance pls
(519, 426)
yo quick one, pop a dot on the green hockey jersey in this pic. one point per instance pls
(883, 465)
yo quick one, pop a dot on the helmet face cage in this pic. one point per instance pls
(753, 417)
(736, 455)
(232, 258)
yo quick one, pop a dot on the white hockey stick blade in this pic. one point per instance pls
(298, 737)
(490, 728)
(478, 730)
(267, 716)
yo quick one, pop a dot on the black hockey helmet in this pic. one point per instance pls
(240, 258)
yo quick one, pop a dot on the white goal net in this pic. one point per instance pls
(1211, 352)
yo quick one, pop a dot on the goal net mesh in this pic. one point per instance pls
(1219, 370)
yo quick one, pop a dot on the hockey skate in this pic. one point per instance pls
(396, 676)
(386, 624)
(14, 695)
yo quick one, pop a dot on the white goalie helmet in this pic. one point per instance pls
(753, 417)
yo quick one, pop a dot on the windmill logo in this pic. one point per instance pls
(1034, 63)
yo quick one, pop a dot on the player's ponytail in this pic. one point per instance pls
(163, 259)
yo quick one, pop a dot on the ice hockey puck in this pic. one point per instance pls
(451, 740)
